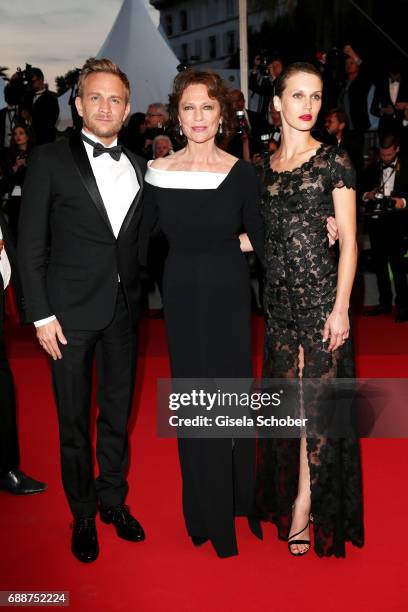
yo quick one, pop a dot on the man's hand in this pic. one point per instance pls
(332, 231)
(401, 106)
(348, 50)
(1, 246)
(370, 195)
(399, 202)
(48, 336)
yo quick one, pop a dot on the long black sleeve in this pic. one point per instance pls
(33, 236)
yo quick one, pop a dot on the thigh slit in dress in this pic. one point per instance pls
(299, 294)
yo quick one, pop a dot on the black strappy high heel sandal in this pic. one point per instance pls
(291, 542)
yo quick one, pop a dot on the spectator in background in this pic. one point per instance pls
(390, 99)
(158, 245)
(388, 179)
(14, 166)
(132, 135)
(162, 146)
(244, 145)
(156, 123)
(261, 84)
(44, 109)
(335, 123)
(353, 100)
(10, 114)
(275, 122)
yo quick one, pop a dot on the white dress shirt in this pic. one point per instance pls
(5, 268)
(118, 185)
(394, 89)
(388, 179)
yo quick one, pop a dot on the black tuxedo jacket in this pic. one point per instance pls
(68, 254)
(45, 113)
(382, 99)
(373, 175)
(12, 256)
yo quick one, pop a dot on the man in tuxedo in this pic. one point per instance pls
(44, 109)
(12, 479)
(390, 100)
(388, 231)
(78, 250)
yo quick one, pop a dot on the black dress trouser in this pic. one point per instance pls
(9, 449)
(387, 247)
(115, 349)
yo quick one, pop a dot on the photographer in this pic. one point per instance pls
(44, 108)
(385, 187)
(261, 83)
(250, 127)
(9, 115)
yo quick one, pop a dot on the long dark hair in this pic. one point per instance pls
(14, 150)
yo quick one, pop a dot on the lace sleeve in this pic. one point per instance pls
(342, 170)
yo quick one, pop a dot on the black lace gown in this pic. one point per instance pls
(206, 297)
(299, 294)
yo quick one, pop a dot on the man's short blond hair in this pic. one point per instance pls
(94, 66)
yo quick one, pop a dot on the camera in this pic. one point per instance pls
(241, 123)
(381, 205)
(19, 86)
(264, 58)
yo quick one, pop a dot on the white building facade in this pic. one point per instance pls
(205, 33)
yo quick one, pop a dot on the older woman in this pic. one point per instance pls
(203, 196)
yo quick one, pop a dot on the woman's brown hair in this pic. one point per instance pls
(216, 89)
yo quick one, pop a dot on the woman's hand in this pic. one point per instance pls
(337, 329)
(245, 243)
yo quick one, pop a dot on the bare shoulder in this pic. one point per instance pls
(161, 163)
(227, 160)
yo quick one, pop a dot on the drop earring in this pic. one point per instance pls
(220, 128)
(180, 130)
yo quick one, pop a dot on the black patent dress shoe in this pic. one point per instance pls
(16, 482)
(378, 310)
(402, 315)
(198, 540)
(127, 527)
(85, 545)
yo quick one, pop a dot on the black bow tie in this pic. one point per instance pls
(391, 165)
(395, 80)
(99, 149)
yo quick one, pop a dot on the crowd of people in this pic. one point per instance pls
(211, 152)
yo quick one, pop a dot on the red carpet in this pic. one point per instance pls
(166, 572)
